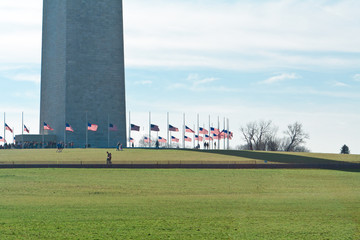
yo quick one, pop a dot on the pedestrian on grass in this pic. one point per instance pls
(108, 158)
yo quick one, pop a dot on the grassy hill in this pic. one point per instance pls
(168, 156)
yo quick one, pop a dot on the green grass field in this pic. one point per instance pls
(163, 155)
(179, 204)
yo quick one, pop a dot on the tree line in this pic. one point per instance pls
(263, 136)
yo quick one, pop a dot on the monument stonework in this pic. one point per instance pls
(82, 74)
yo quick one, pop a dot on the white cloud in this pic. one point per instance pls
(280, 78)
(26, 77)
(357, 77)
(145, 82)
(231, 35)
(340, 84)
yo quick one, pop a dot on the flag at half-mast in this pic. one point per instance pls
(92, 127)
(112, 127)
(26, 129)
(47, 127)
(189, 130)
(163, 140)
(217, 137)
(68, 128)
(154, 128)
(8, 128)
(146, 139)
(203, 131)
(198, 138)
(214, 130)
(2, 139)
(134, 127)
(187, 139)
(208, 138)
(131, 140)
(174, 139)
(173, 129)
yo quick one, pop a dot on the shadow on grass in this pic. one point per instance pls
(273, 157)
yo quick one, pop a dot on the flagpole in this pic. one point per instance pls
(108, 127)
(194, 136)
(224, 133)
(209, 134)
(4, 130)
(184, 131)
(197, 129)
(228, 134)
(87, 125)
(43, 135)
(65, 135)
(167, 133)
(129, 129)
(149, 129)
(219, 133)
(22, 131)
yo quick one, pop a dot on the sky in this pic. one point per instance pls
(279, 60)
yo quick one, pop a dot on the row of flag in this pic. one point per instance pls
(216, 133)
(91, 127)
(8, 128)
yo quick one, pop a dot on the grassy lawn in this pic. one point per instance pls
(163, 155)
(179, 204)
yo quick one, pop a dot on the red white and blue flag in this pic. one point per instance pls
(203, 131)
(173, 129)
(92, 127)
(154, 128)
(69, 128)
(47, 127)
(146, 139)
(8, 128)
(187, 139)
(174, 139)
(2, 139)
(135, 127)
(216, 136)
(26, 129)
(112, 127)
(189, 130)
(198, 138)
(131, 140)
(214, 130)
(163, 140)
(208, 138)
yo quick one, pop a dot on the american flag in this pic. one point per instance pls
(207, 137)
(154, 128)
(203, 131)
(198, 138)
(131, 140)
(2, 139)
(92, 127)
(173, 129)
(189, 130)
(163, 140)
(69, 128)
(26, 129)
(214, 130)
(135, 127)
(174, 139)
(112, 127)
(47, 127)
(8, 128)
(187, 139)
(146, 139)
(217, 137)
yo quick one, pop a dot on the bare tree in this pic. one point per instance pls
(264, 130)
(249, 132)
(295, 136)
